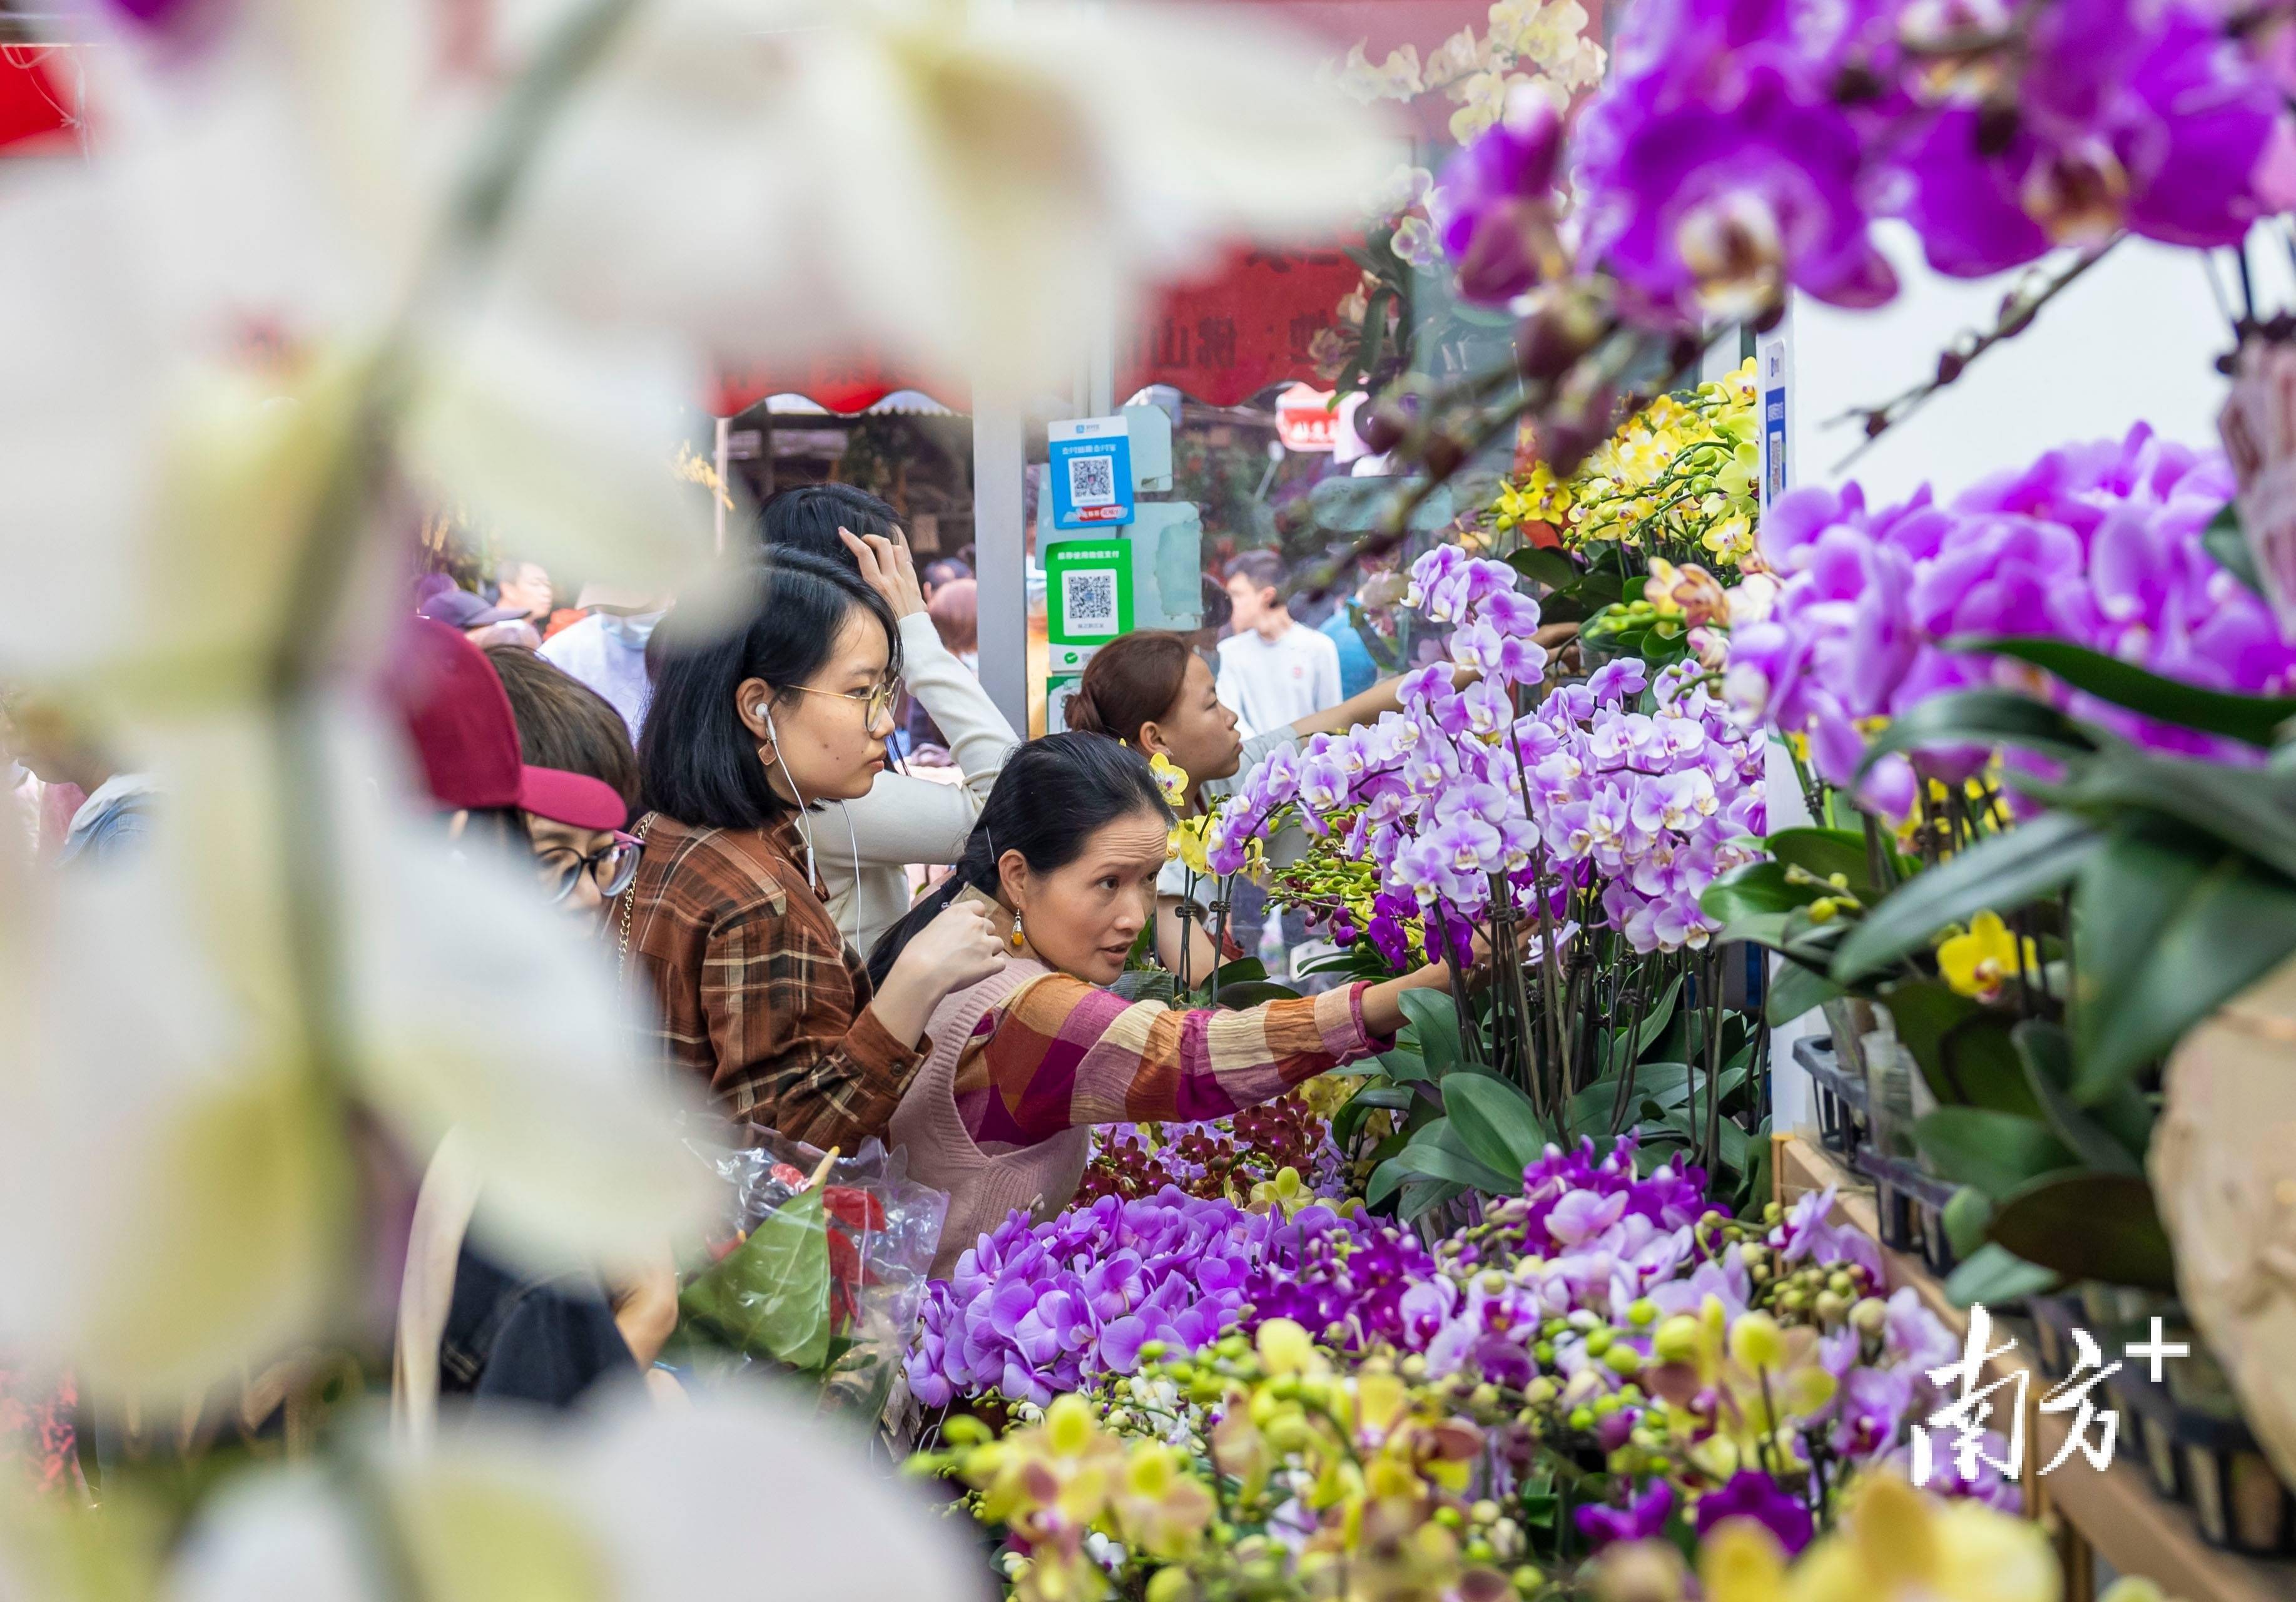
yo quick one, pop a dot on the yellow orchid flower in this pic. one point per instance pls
(1741, 1561)
(1981, 960)
(1186, 844)
(1900, 1546)
(1170, 778)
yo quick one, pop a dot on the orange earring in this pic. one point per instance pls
(1019, 938)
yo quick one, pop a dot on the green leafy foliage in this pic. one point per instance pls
(2088, 1226)
(2253, 718)
(1999, 875)
(1980, 718)
(1496, 1122)
(2172, 926)
(1995, 1153)
(1964, 1049)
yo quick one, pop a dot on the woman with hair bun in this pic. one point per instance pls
(1154, 693)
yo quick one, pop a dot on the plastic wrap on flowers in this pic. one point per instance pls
(823, 1270)
(1035, 1309)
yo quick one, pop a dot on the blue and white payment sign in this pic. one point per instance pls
(1091, 473)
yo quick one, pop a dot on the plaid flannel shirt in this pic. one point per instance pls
(759, 994)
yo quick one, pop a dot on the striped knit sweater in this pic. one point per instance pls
(1024, 1063)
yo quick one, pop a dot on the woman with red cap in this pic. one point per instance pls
(466, 1326)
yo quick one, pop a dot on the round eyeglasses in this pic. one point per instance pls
(876, 702)
(612, 868)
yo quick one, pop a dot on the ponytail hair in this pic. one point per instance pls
(1053, 795)
(1131, 680)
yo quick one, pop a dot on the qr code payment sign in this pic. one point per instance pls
(1092, 481)
(1087, 601)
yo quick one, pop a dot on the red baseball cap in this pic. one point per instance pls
(459, 718)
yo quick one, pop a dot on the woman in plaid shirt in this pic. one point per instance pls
(728, 918)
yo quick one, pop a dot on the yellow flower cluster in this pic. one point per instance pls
(1058, 1481)
(1678, 476)
(1895, 1544)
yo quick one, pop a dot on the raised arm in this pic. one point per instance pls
(776, 1062)
(1066, 1052)
(1382, 696)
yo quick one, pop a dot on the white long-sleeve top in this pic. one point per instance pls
(903, 819)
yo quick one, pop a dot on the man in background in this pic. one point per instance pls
(525, 588)
(941, 570)
(1358, 671)
(607, 650)
(1272, 671)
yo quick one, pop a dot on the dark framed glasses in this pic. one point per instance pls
(612, 868)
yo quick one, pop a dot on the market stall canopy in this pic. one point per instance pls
(1222, 338)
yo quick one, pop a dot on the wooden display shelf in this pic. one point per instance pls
(2114, 1515)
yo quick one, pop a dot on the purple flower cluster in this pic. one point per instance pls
(1033, 1311)
(1630, 814)
(2100, 544)
(1346, 1286)
(1738, 149)
(1571, 1197)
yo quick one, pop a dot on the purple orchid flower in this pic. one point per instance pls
(1751, 1493)
(1643, 1517)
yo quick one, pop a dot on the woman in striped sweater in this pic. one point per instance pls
(1022, 1063)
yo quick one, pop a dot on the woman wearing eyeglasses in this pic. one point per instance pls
(562, 723)
(754, 729)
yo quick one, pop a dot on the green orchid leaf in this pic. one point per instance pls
(1994, 1275)
(1660, 1014)
(1434, 1021)
(2171, 927)
(1348, 1123)
(1993, 1153)
(2227, 542)
(2247, 809)
(1544, 564)
(1424, 1197)
(1964, 1050)
(2000, 875)
(1753, 890)
(1495, 1121)
(1796, 989)
(1965, 1218)
(2047, 1053)
(2252, 719)
(1979, 718)
(769, 1296)
(1253, 992)
(1826, 852)
(2089, 1226)
(1405, 1066)
(1436, 1153)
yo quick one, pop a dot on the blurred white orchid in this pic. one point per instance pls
(160, 1037)
(214, 285)
(745, 1494)
(965, 186)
